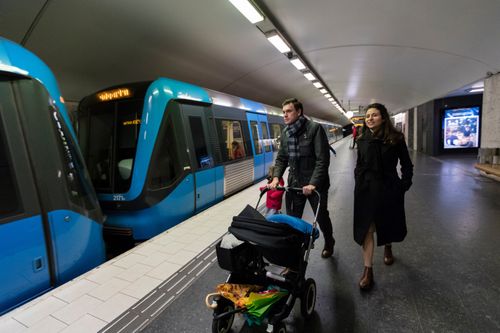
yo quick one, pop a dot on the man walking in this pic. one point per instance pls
(305, 149)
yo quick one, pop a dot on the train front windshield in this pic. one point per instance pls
(108, 134)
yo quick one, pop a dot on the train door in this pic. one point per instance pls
(24, 259)
(267, 143)
(263, 155)
(196, 119)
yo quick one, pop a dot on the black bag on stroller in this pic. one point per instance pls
(279, 243)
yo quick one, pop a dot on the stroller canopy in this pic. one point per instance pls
(295, 223)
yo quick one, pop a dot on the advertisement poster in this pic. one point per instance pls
(461, 128)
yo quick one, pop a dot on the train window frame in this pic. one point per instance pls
(226, 139)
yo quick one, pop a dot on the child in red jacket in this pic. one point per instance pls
(274, 197)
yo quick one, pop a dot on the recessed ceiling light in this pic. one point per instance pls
(309, 76)
(278, 42)
(298, 63)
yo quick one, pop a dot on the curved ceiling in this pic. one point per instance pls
(398, 52)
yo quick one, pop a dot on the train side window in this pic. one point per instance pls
(200, 146)
(231, 139)
(222, 133)
(275, 136)
(166, 165)
(9, 199)
(255, 135)
(265, 137)
(246, 137)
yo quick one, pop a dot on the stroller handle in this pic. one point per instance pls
(297, 190)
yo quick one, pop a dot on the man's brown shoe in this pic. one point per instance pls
(328, 249)
(388, 257)
(327, 253)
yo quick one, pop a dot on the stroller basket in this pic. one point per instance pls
(244, 257)
(279, 243)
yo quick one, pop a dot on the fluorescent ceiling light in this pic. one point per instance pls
(249, 11)
(298, 63)
(479, 89)
(323, 91)
(328, 95)
(278, 42)
(331, 99)
(309, 76)
(318, 84)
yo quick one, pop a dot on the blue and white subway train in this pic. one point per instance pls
(50, 220)
(160, 151)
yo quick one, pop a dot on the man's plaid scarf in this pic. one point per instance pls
(293, 140)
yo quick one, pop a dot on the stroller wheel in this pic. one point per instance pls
(223, 325)
(279, 328)
(308, 298)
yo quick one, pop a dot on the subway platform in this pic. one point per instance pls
(445, 278)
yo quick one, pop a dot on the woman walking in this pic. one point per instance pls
(379, 192)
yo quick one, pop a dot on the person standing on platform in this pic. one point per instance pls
(354, 135)
(379, 192)
(305, 149)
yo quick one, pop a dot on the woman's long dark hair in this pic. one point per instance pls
(387, 132)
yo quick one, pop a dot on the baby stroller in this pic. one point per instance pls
(275, 252)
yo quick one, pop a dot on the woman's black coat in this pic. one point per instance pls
(379, 192)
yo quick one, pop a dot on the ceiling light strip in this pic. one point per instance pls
(278, 37)
(248, 10)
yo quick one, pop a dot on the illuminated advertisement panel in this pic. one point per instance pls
(461, 128)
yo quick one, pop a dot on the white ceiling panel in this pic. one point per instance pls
(398, 52)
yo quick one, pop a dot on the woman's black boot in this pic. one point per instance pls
(388, 257)
(366, 281)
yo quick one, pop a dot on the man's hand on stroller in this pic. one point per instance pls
(308, 189)
(272, 185)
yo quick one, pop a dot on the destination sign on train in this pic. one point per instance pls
(110, 95)
(132, 122)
